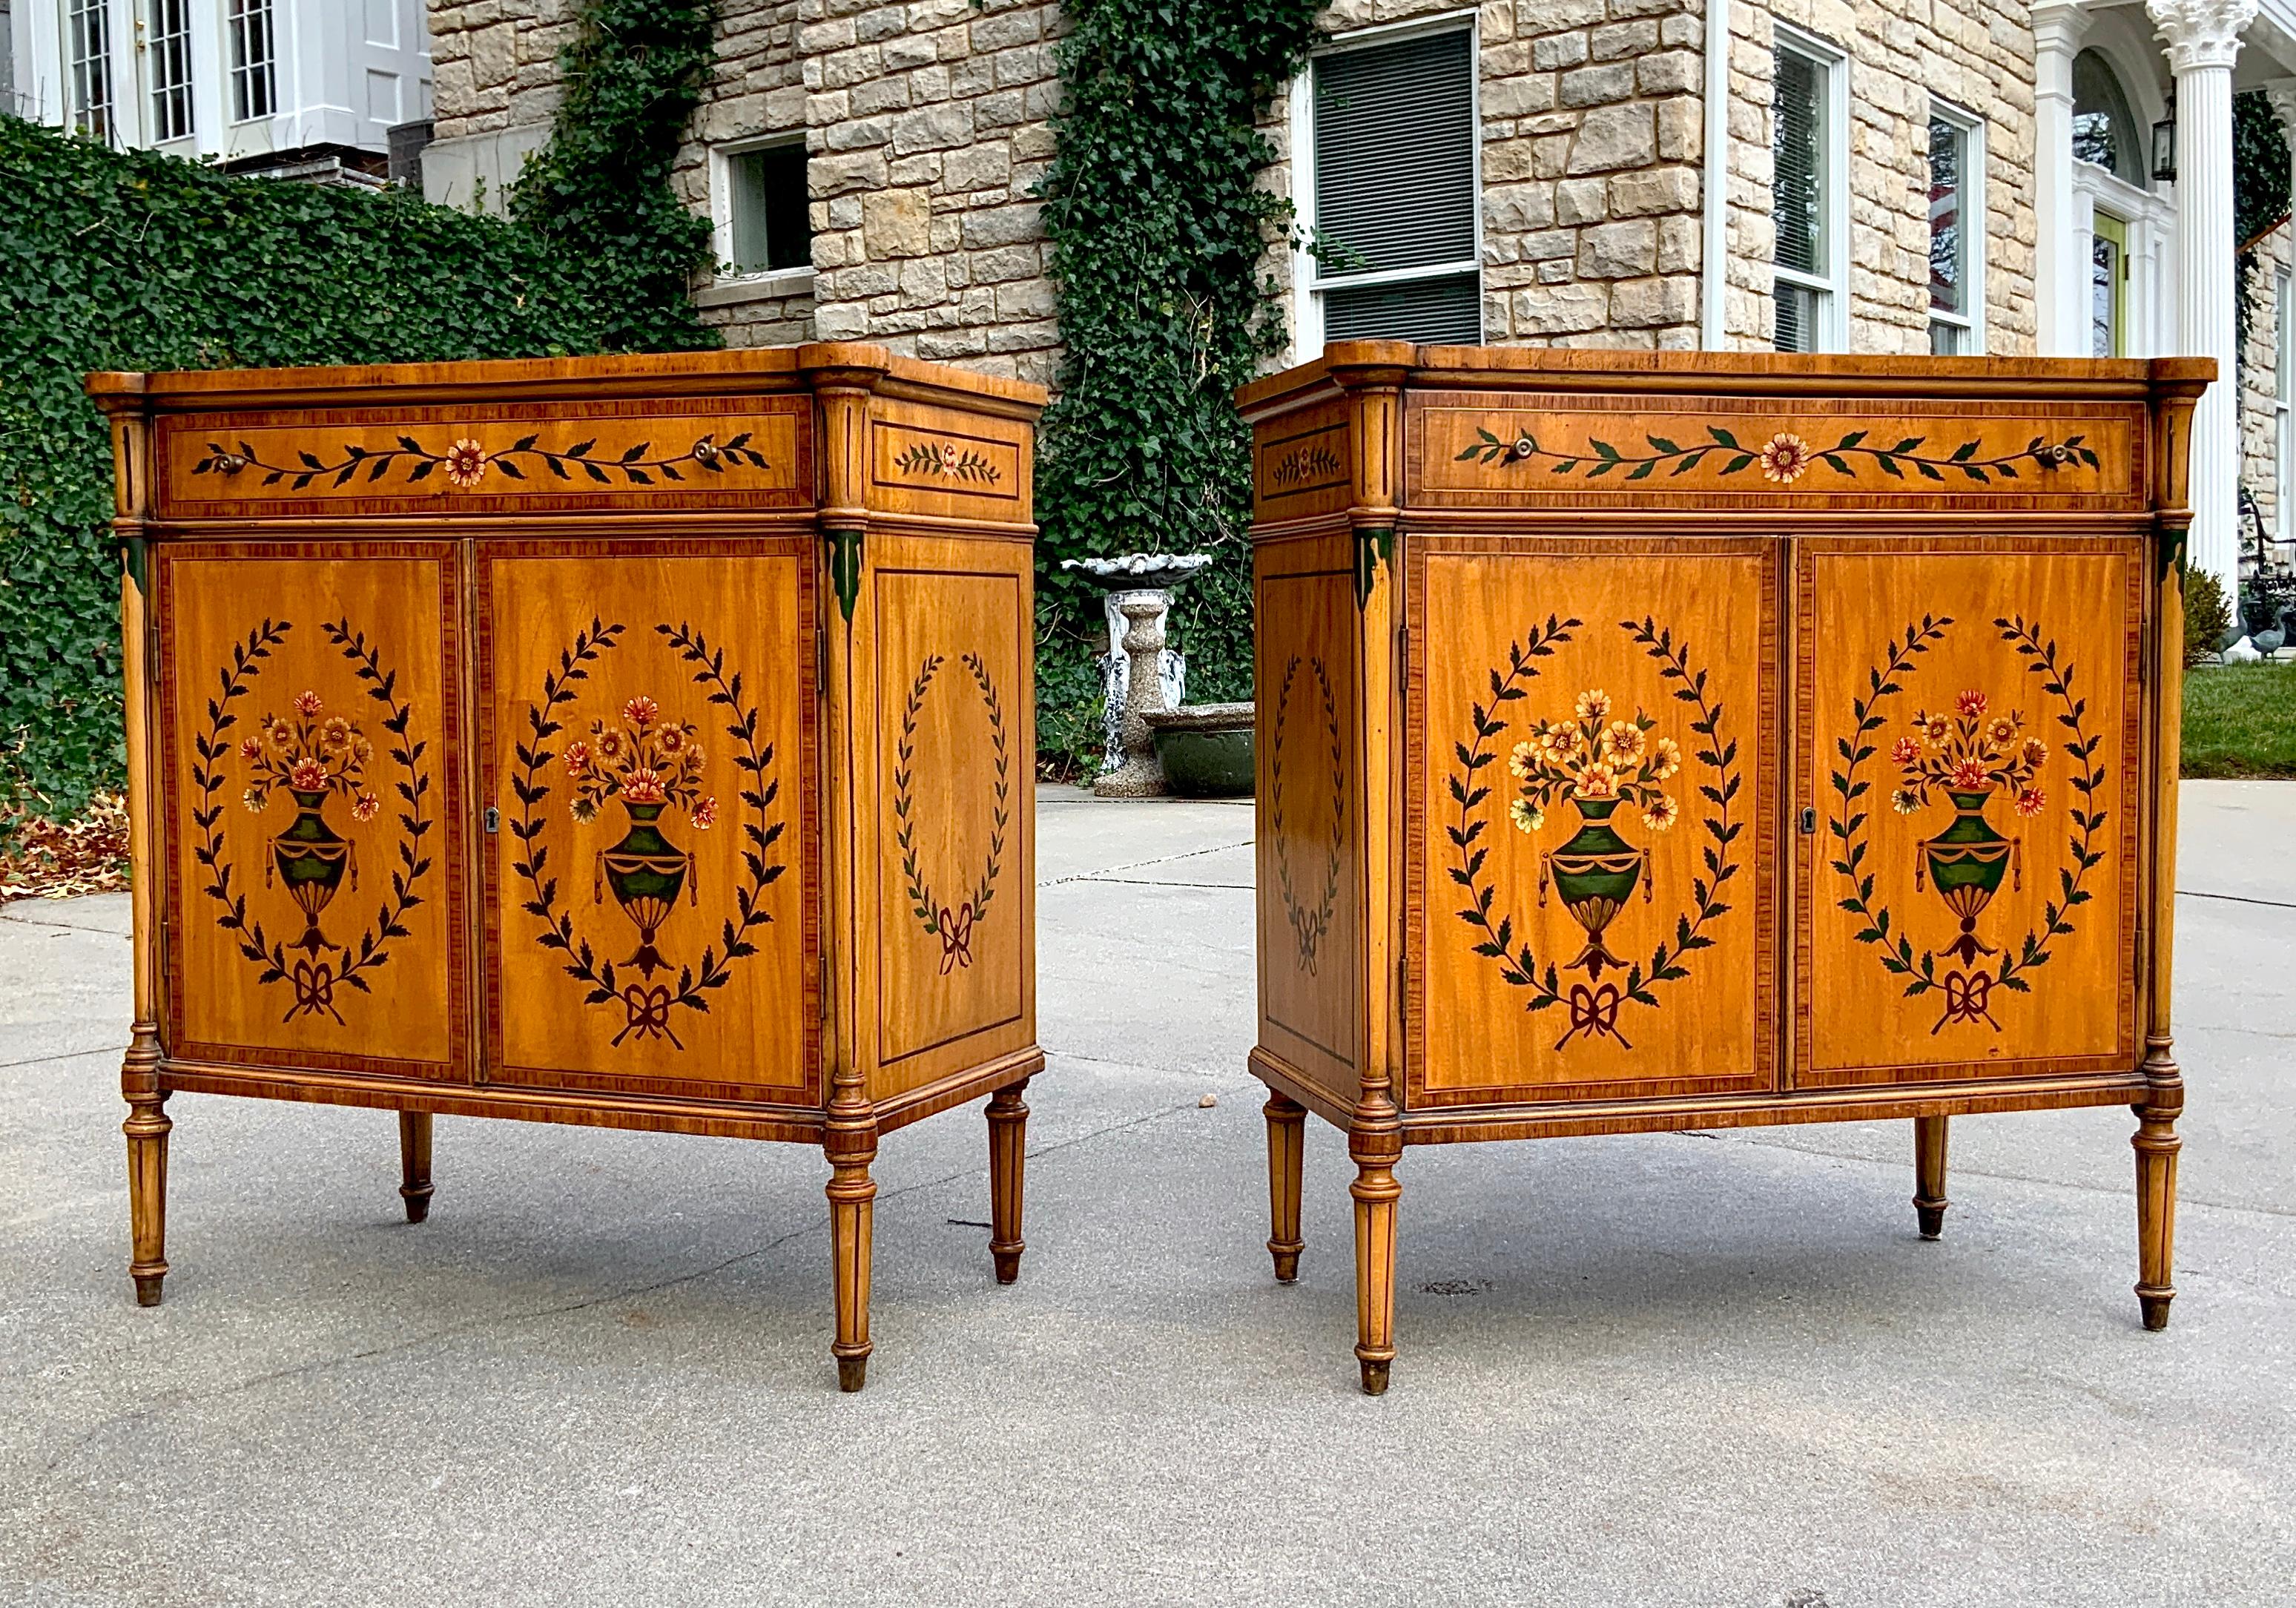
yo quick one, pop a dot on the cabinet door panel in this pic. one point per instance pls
(312, 805)
(1595, 755)
(649, 742)
(1969, 754)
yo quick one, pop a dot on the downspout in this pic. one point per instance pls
(1714, 268)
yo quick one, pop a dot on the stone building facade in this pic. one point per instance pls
(1612, 141)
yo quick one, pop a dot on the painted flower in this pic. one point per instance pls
(1905, 750)
(1623, 743)
(307, 704)
(1526, 817)
(1970, 776)
(577, 758)
(251, 749)
(610, 743)
(1786, 459)
(363, 807)
(1597, 782)
(307, 776)
(362, 751)
(671, 737)
(1661, 812)
(1594, 704)
(1905, 800)
(1935, 729)
(641, 711)
(1970, 703)
(704, 815)
(336, 732)
(947, 451)
(1666, 758)
(1519, 762)
(643, 786)
(2002, 732)
(255, 799)
(465, 463)
(279, 735)
(584, 809)
(2030, 800)
(2034, 752)
(1563, 745)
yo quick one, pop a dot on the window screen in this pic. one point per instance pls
(771, 227)
(1395, 190)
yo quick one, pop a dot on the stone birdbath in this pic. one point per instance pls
(1141, 675)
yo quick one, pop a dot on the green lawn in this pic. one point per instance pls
(2240, 720)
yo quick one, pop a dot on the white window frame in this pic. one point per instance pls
(1974, 233)
(1833, 287)
(767, 281)
(1309, 281)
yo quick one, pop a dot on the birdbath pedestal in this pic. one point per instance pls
(1141, 675)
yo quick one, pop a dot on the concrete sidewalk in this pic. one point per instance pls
(1671, 1369)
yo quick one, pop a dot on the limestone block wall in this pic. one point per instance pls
(1976, 53)
(2259, 377)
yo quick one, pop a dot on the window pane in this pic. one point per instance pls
(771, 226)
(89, 41)
(1797, 330)
(1947, 339)
(1949, 246)
(2104, 129)
(1395, 154)
(247, 24)
(1798, 188)
(1446, 312)
(2105, 298)
(171, 69)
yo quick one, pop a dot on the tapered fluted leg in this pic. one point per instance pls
(1287, 1137)
(415, 1163)
(851, 1192)
(147, 1127)
(2157, 1145)
(1928, 1174)
(1375, 1193)
(1008, 1155)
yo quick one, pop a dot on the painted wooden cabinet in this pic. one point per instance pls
(1663, 742)
(636, 741)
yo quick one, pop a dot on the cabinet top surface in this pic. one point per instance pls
(810, 366)
(1349, 364)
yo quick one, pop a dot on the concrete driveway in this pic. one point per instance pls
(1699, 1369)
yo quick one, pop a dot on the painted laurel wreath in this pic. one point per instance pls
(1309, 927)
(1967, 989)
(1594, 1007)
(952, 925)
(947, 461)
(465, 463)
(314, 865)
(1785, 458)
(647, 1005)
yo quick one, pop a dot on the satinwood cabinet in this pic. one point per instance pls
(1654, 743)
(638, 742)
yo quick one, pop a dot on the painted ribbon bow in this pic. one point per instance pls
(1968, 996)
(1594, 1011)
(314, 989)
(955, 927)
(648, 1010)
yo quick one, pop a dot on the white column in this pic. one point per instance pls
(2060, 277)
(2203, 38)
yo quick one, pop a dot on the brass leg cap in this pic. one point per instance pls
(1008, 1266)
(1932, 1221)
(1287, 1266)
(1375, 1378)
(2156, 1310)
(147, 1289)
(418, 1204)
(852, 1374)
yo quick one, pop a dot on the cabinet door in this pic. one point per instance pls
(1968, 778)
(1595, 779)
(651, 923)
(312, 807)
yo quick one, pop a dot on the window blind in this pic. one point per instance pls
(1796, 194)
(1441, 312)
(1395, 153)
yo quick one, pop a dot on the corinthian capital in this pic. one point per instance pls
(2282, 95)
(2200, 33)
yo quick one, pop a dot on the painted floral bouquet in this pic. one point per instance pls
(1970, 752)
(314, 753)
(1594, 759)
(645, 761)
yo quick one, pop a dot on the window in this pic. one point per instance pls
(2104, 129)
(2108, 281)
(1809, 128)
(2284, 406)
(171, 69)
(254, 82)
(87, 28)
(764, 224)
(1956, 233)
(1392, 193)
